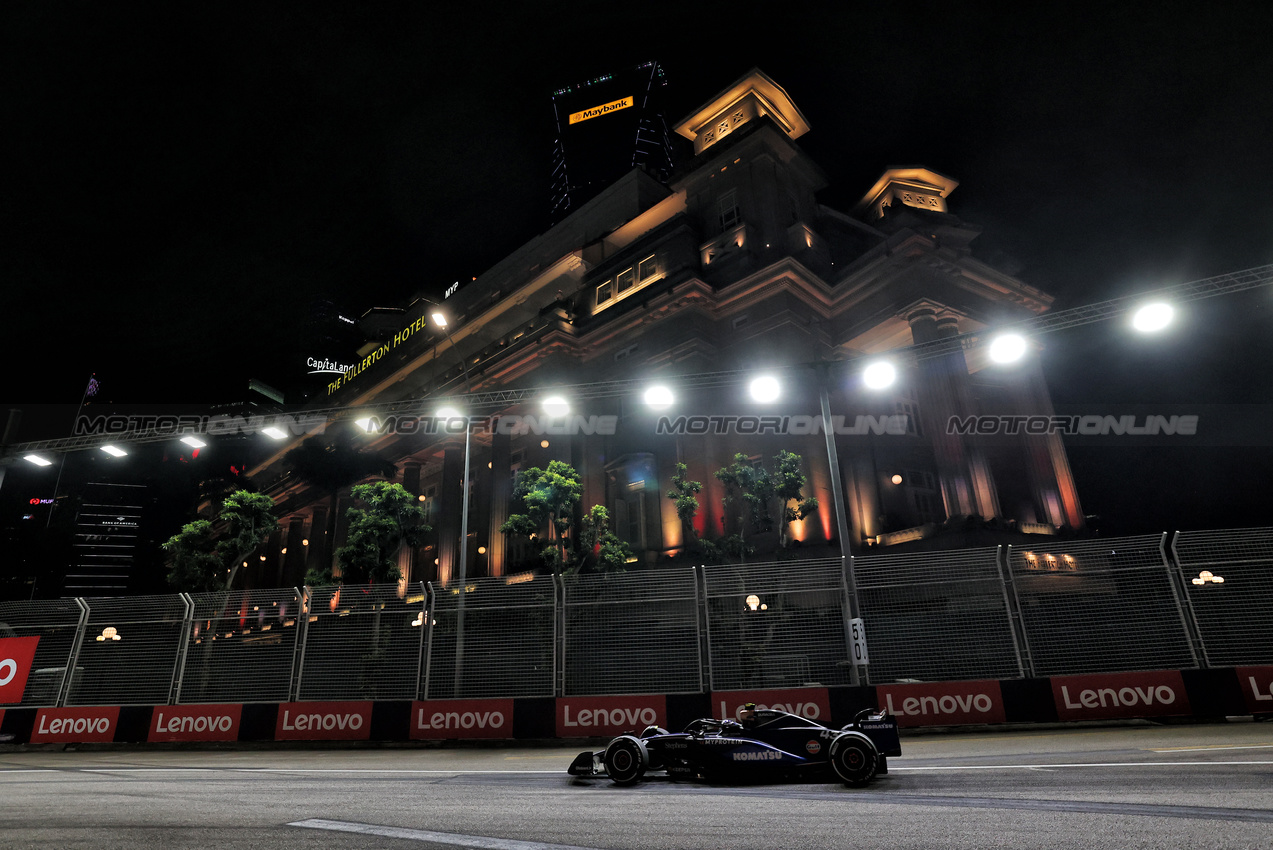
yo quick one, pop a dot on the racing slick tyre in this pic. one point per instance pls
(854, 759)
(626, 760)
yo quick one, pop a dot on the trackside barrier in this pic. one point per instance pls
(1062, 608)
(937, 615)
(1234, 617)
(776, 624)
(1163, 695)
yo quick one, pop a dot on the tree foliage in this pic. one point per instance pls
(684, 495)
(386, 517)
(549, 497)
(205, 554)
(751, 491)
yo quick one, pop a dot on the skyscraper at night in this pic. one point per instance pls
(607, 126)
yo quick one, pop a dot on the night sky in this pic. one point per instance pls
(182, 181)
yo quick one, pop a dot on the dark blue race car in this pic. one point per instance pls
(762, 744)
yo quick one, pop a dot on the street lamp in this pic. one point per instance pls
(439, 319)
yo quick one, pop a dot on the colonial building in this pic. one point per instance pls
(731, 268)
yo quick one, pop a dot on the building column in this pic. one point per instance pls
(966, 483)
(1051, 481)
(316, 555)
(501, 493)
(292, 569)
(450, 505)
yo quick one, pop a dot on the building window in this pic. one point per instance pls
(908, 406)
(624, 281)
(728, 207)
(924, 495)
(604, 293)
(647, 269)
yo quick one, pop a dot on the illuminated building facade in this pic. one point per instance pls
(730, 267)
(606, 127)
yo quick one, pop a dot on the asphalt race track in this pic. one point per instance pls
(1190, 786)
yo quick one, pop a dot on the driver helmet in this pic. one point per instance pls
(747, 713)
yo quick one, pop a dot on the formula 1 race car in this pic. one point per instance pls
(763, 743)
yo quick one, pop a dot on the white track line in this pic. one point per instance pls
(477, 841)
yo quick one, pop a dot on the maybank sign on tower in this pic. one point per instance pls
(598, 111)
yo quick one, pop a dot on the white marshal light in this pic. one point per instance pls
(439, 319)
(276, 433)
(37, 460)
(364, 423)
(449, 413)
(556, 406)
(879, 375)
(1007, 348)
(765, 389)
(1153, 317)
(659, 397)
(190, 440)
(114, 451)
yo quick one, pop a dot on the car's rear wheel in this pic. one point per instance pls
(854, 759)
(626, 760)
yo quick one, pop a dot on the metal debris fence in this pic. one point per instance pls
(1063, 607)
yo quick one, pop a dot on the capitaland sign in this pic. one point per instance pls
(1111, 696)
(195, 723)
(92, 725)
(809, 703)
(582, 717)
(943, 703)
(325, 366)
(16, 656)
(461, 718)
(603, 109)
(323, 721)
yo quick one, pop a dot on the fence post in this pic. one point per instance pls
(559, 636)
(426, 617)
(179, 669)
(857, 676)
(699, 605)
(1017, 619)
(1014, 615)
(68, 675)
(707, 628)
(302, 625)
(1189, 622)
(431, 602)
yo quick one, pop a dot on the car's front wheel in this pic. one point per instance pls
(626, 760)
(854, 758)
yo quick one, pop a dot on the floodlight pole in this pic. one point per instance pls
(462, 567)
(837, 495)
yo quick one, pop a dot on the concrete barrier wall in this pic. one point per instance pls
(1154, 695)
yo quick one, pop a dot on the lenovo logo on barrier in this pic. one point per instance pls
(16, 655)
(579, 717)
(195, 723)
(1257, 688)
(462, 718)
(75, 725)
(943, 703)
(323, 721)
(1120, 695)
(809, 703)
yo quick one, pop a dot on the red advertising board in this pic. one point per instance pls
(586, 717)
(16, 655)
(1107, 696)
(195, 723)
(1257, 688)
(80, 725)
(323, 721)
(943, 703)
(811, 703)
(461, 718)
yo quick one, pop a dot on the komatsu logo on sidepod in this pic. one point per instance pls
(764, 755)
